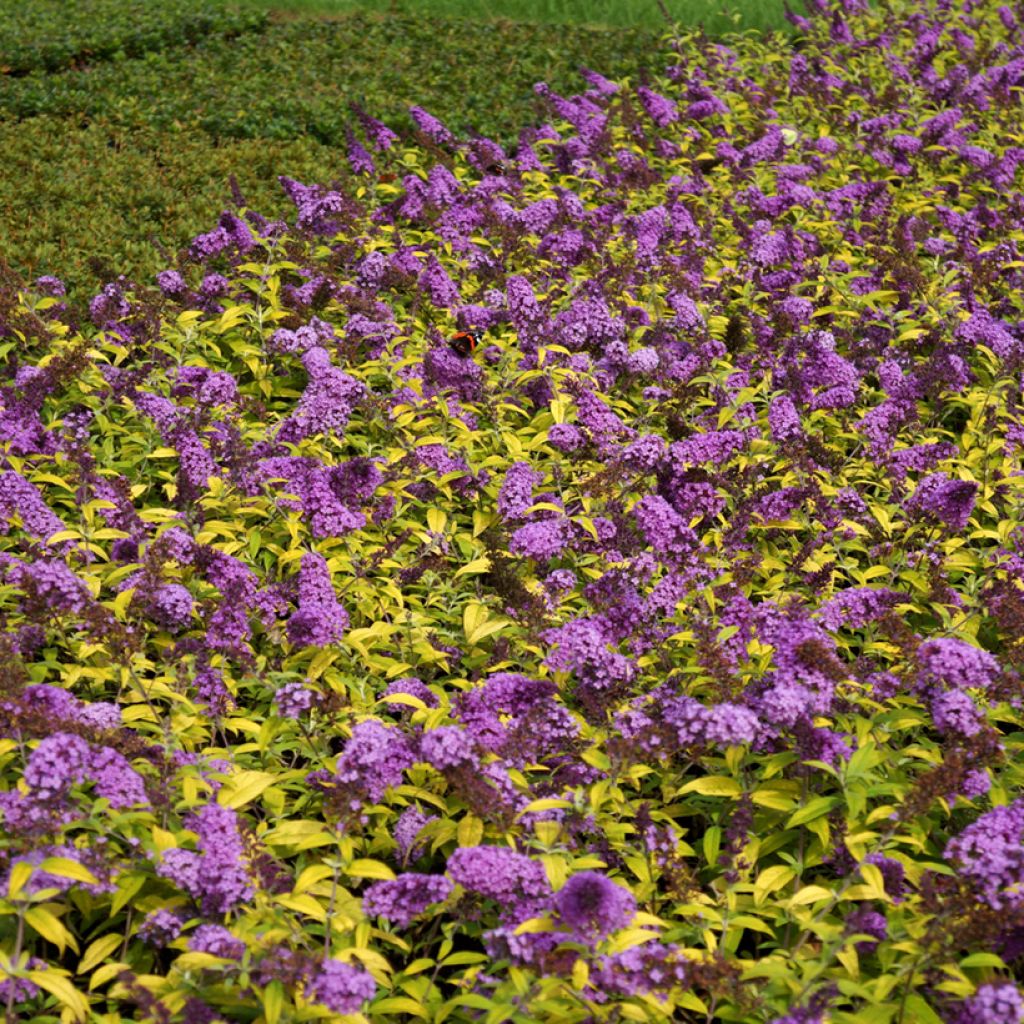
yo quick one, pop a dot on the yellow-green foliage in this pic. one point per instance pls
(754, 859)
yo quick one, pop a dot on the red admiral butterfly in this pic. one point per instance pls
(465, 342)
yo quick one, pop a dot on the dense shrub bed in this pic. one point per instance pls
(660, 659)
(51, 35)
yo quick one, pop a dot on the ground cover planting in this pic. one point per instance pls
(51, 36)
(159, 133)
(658, 659)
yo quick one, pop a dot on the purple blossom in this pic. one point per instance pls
(541, 540)
(715, 446)
(447, 747)
(217, 940)
(316, 206)
(784, 703)
(665, 529)
(981, 328)
(651, 967)
(516, 493)
(405, 897)
(217, 876)
(115, 779)
(380, 135)
(439, 287)
(358, 158)
(949, 501)
(293, 700)
(58, 762)
(731, 724)
(955, 712)
(857, 606)
(565, 437)
(340, 987)
(500, 874)
(171, 283)
(976, 783)
(864, 920)
(990, 854)
(328, 401)
(431, 126)
(892, 874)
(21, 498)
(161, 927)
(210, 688)
(993, 1003)
(415, 688)
(661, 110)
(784, 420)
(410, 822)
(375, 758)
(770, 249)
(16, 991)
(956, 664)
(593, 906)
(170, 605)
(319, 620)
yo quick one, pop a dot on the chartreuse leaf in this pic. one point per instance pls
(47, 924)
(98, 951)
(65, 867)
(470, 831)
(59, 984)
(478, 624)
(771, 879)
(101, 975)
(21, 872)
(815, 808)
(918, 1009)
(400, 1004)
(273, 1000)
(243, 787)
(364, 868)
(713, 785)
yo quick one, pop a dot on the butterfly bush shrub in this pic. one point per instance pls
(660, 660)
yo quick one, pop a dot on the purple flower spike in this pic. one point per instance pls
(319, 620)
(994, 1003)
(341, 987)
(405, 897)
(594, 906)
(949, 501)
(375, 758)
(515, 881)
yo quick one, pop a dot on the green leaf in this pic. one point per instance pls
(273, 1002)
(919, 1011)
(771, 879)
(243, 787)
(51, 928)
(713, 785)
(983, 960)
(815, 808)
(65, 867)
(98, 951)
(398, 1004)
(364, 868)
(21, 872)
(59, 984)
